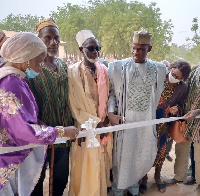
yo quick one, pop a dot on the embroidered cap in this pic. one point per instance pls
(142, 37)
(83, 35)
(45, 23)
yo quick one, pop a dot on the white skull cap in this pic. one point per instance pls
(83, 35)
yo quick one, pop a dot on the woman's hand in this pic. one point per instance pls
(71, 132)
(192, 114)
(114, 119)
(173, 110)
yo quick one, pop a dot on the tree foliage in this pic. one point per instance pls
(113, 22)
(20, 23)
(190, 51)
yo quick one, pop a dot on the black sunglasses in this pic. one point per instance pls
(92, 48)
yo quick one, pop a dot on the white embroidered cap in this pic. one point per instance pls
(83, 35)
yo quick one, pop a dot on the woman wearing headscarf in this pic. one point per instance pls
(19, 170)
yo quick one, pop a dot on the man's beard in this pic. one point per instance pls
(91, 60)
(52, 53)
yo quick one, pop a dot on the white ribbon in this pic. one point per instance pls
(81, 134)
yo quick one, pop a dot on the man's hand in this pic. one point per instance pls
(71, 132)
(114, 119)
(103, 124)
(192, 114)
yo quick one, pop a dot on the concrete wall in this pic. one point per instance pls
(61, 50)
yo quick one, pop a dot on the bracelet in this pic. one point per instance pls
(60, 131)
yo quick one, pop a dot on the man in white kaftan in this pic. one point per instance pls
(137, 83)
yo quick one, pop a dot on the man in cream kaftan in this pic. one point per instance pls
(136, 88)
(88, 93)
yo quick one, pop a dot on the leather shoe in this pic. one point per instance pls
(173, 181)
(190, 181)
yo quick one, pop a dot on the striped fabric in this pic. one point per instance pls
(50, 89)
(193, 102)
(3, 37)
(45, 23)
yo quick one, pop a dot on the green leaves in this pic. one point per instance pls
(113, 22)
(20, 23)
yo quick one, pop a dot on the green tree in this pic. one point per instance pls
(20, 23)
(113, 22)
(121, 20)
(195, 28)
(70, 19)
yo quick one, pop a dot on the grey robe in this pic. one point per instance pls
(137, 98)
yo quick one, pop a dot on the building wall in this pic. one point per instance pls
(61, 50)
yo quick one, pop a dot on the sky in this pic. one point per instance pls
(181, 12)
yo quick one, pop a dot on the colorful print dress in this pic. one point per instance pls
(163, 129)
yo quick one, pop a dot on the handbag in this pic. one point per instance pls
(176, 131)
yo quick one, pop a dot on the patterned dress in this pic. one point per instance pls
(20, 170)
(163, 129)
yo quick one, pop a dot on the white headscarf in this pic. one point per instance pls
(82, 36)
(22, 47)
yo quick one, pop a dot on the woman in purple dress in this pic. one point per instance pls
(19, 170)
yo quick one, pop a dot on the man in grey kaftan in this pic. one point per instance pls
(137, 83)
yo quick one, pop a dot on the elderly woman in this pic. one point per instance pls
(171, 104)
(19, 170)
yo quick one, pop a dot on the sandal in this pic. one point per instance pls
(161, 187)
(142, 188)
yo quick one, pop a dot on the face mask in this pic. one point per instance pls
(30, 73)
(172, 79)
(1, 60)
(167, 70)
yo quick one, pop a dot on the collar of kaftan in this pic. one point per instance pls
(8, 70)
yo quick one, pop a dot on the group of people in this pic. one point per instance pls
(42, 99)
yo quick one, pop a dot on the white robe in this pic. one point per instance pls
(26, 176)
(136, 93)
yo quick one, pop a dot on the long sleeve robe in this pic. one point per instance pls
(136, 93)
(20, 170)
(88, 171)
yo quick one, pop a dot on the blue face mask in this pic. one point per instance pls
(30, 73)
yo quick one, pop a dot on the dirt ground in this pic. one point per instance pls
(178, 189)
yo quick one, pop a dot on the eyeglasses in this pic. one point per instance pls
(92, 48)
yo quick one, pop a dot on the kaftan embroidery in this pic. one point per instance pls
(7, 172)
(42, 131)
(3, 136)
(139, 93)
(9, 100)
